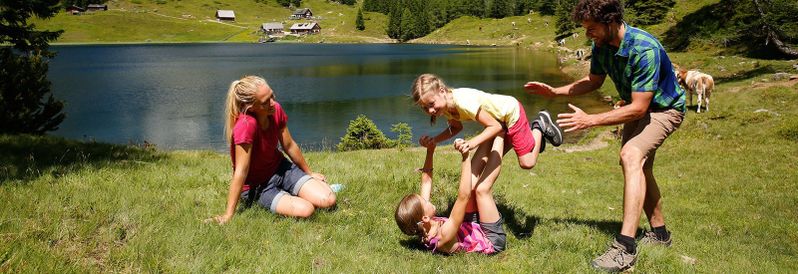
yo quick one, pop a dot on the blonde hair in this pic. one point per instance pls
(424, 84)
(409, 212)
(240, 96)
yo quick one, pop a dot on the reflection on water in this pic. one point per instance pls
(173, 95)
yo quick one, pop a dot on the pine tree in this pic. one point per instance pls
(408, 26)
(546, 7)
(27, 104)
(421, 20)
(648, 12)
(565, 25)
(372, 5)
(359, 24)
(474, 8)
(499, 9)
(395, 21)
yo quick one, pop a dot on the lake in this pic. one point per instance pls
(172, 95)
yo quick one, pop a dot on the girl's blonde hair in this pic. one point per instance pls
(409, 213)
(424, 84)
(240, 96)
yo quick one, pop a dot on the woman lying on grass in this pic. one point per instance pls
(474, 225)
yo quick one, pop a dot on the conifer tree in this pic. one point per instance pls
(565, 25)
(474, 8)
(648, 12)
(359, 24)
(26, 102)
(408, 26)
(395, 21)
(499, 9)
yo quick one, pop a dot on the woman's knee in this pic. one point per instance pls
(296, 207)
(304, 210)
(328, 201)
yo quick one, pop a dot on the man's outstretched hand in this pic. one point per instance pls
(576, 120)
(539, 88)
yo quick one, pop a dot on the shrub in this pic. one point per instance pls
(363, 134)
(404, 135)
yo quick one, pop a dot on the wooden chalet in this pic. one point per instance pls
(305, 28)
(272, 28)
(302, 14)
(226, 15)
(96, 7)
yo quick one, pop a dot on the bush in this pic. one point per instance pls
(404, 135)
(364, 134)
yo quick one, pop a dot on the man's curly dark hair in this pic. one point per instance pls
(602, 11)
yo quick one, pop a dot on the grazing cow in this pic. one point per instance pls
(699, 83)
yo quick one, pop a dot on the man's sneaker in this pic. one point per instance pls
(616, 259)
(651, 238)
(550, 129)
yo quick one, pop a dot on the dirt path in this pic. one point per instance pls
(599, 142)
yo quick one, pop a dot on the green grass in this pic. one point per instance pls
(727, 178)
(193, 21)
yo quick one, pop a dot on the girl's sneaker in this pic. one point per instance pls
(550, 129)
(536, 124)
(337, 187)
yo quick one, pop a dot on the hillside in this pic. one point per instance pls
(145, 21)
(137, 21)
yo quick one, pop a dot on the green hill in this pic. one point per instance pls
(141, 21)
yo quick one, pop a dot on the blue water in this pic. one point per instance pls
(173, 95)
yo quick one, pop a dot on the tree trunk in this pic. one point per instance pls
(773, 36)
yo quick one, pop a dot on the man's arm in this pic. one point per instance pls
(580, 120)
(589, 83)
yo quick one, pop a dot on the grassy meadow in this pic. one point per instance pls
(144, 21)
(727, 178)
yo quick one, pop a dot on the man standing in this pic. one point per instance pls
(643, 75)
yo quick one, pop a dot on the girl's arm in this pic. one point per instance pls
(292, 149)
(492, 129)
(426, 174)
(236, 183)
(453, 129)
(451, 226)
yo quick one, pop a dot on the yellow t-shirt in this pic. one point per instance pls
(468, 101)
